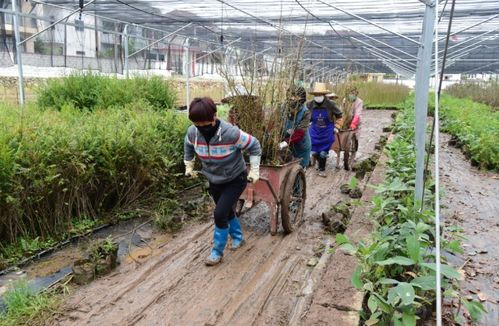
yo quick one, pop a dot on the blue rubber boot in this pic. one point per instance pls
(220, 237)
(236, 233)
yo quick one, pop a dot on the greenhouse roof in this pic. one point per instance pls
(367, 35)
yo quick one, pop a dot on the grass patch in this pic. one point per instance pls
(27, 308)
(376, 94)
(486, 93)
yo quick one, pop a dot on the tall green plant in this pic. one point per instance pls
(61, 166)
(92, 91)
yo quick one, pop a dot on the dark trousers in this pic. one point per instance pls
(226, 196)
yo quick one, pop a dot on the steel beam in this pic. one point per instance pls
(161, 39)
(125, 46)
(57, 21)
(421, 98)
(216, 50)
(471, 26)
(19, 60)
(373, 39)
(279, 28)
(368, 21)
(383, 54)
(187, 64)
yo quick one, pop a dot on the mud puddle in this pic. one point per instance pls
(138, 240)
(132, 237)
(472, 203)
(269, 281)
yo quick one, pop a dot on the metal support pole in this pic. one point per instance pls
(187, 74)
(125, 46)
(19, 60)
(422, 90)
(437, 171)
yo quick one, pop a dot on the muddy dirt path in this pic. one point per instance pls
(267, 282)
(472, 202)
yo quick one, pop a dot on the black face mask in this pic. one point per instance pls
(208, 131)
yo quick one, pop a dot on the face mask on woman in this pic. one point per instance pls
(352, 97)
(319, 99)
(208, 131)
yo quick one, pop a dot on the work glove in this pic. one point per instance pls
(355, 122)
(189, 169)
(283, 145)
(254, 173)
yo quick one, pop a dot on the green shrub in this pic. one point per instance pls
(69, 165)
(93, 91)
(476, 127)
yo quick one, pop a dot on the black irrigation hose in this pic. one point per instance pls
(73, 239)
(444, 59)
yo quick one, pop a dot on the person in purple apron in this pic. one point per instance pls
(326, 120)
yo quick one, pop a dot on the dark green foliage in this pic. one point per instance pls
(62, 167)
(475, 127)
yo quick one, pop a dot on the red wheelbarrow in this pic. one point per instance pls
(283, 188)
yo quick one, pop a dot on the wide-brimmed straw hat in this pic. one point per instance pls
(331, 95)
(319, 89)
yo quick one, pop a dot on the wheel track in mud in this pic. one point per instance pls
(260, 284)
(144, 275)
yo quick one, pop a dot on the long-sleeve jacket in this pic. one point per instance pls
(222, 157)
(298, 125)
(357, 107)
(334, 112)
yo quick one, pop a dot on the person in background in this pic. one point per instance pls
(326, 120)
(296, 125)
(332, 97)
(219, 146)
(357, 105)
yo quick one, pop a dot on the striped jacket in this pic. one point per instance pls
(222, 158)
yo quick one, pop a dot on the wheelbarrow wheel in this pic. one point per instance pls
(293, 199)
(350, 152)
